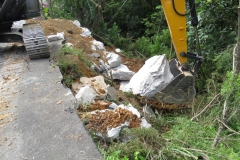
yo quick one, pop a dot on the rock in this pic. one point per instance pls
(99, 45)
(148, 110)
(105, 68)
(123, 85)
(96, 68)
(145, 124)
(68, 44)
(105, 52)
(112, 92)
(122, 73)
(76, 86)
(77, 23)
(59, 36)
(151, 78)
(112, 106)
(114, 132)
(89, 89)
(93, 48)
(86, 32)
(98, 84)
(85, 95)
(118, 50)
(94, 55)
(114, 60)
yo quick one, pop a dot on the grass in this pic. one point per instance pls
(177, 137)
(78, 52)
(172, 136)
(69, 68)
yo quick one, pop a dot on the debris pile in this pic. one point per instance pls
(101, 106)
(151, 78)
(102, 116)
(110, 122)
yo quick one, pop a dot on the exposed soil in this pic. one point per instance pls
(82, 68)
(72, 35)
(104, 121)
(98, 105)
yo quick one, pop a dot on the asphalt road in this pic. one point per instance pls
(38, 119)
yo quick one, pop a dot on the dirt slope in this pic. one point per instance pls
(72, 35)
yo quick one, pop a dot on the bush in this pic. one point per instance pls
(146, 142)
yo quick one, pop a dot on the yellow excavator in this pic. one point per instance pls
(31, 35)
(181, 89)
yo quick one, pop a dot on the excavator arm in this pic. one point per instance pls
(177, 26)
(181, 89)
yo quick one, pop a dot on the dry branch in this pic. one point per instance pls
(235, 132)
(204, 109)
(117, 12)
(221, 126)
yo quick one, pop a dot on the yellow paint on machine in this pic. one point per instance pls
(177, 26)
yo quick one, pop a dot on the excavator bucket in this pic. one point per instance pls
(181, 89)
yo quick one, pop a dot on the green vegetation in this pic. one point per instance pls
(128, 94)
(139, 28)
(67, 65)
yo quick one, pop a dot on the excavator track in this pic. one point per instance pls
(35, 41)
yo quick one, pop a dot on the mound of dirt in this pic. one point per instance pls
(72, 35)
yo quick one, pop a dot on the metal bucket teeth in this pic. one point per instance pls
(35, 41)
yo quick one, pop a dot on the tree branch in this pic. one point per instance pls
(204, 109)
(117, 12)
(235, 132)
(221, 126)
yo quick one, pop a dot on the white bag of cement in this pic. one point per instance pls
(151, 78)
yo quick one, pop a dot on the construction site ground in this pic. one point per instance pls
(37, 115)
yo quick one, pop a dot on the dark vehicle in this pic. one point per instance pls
(31, 35)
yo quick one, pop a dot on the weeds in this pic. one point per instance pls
(143, 143)
(128, 94)
(78, 52)
(69, 67)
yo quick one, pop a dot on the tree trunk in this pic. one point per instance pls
(236, 55)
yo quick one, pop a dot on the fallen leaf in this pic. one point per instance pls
(59, 102)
